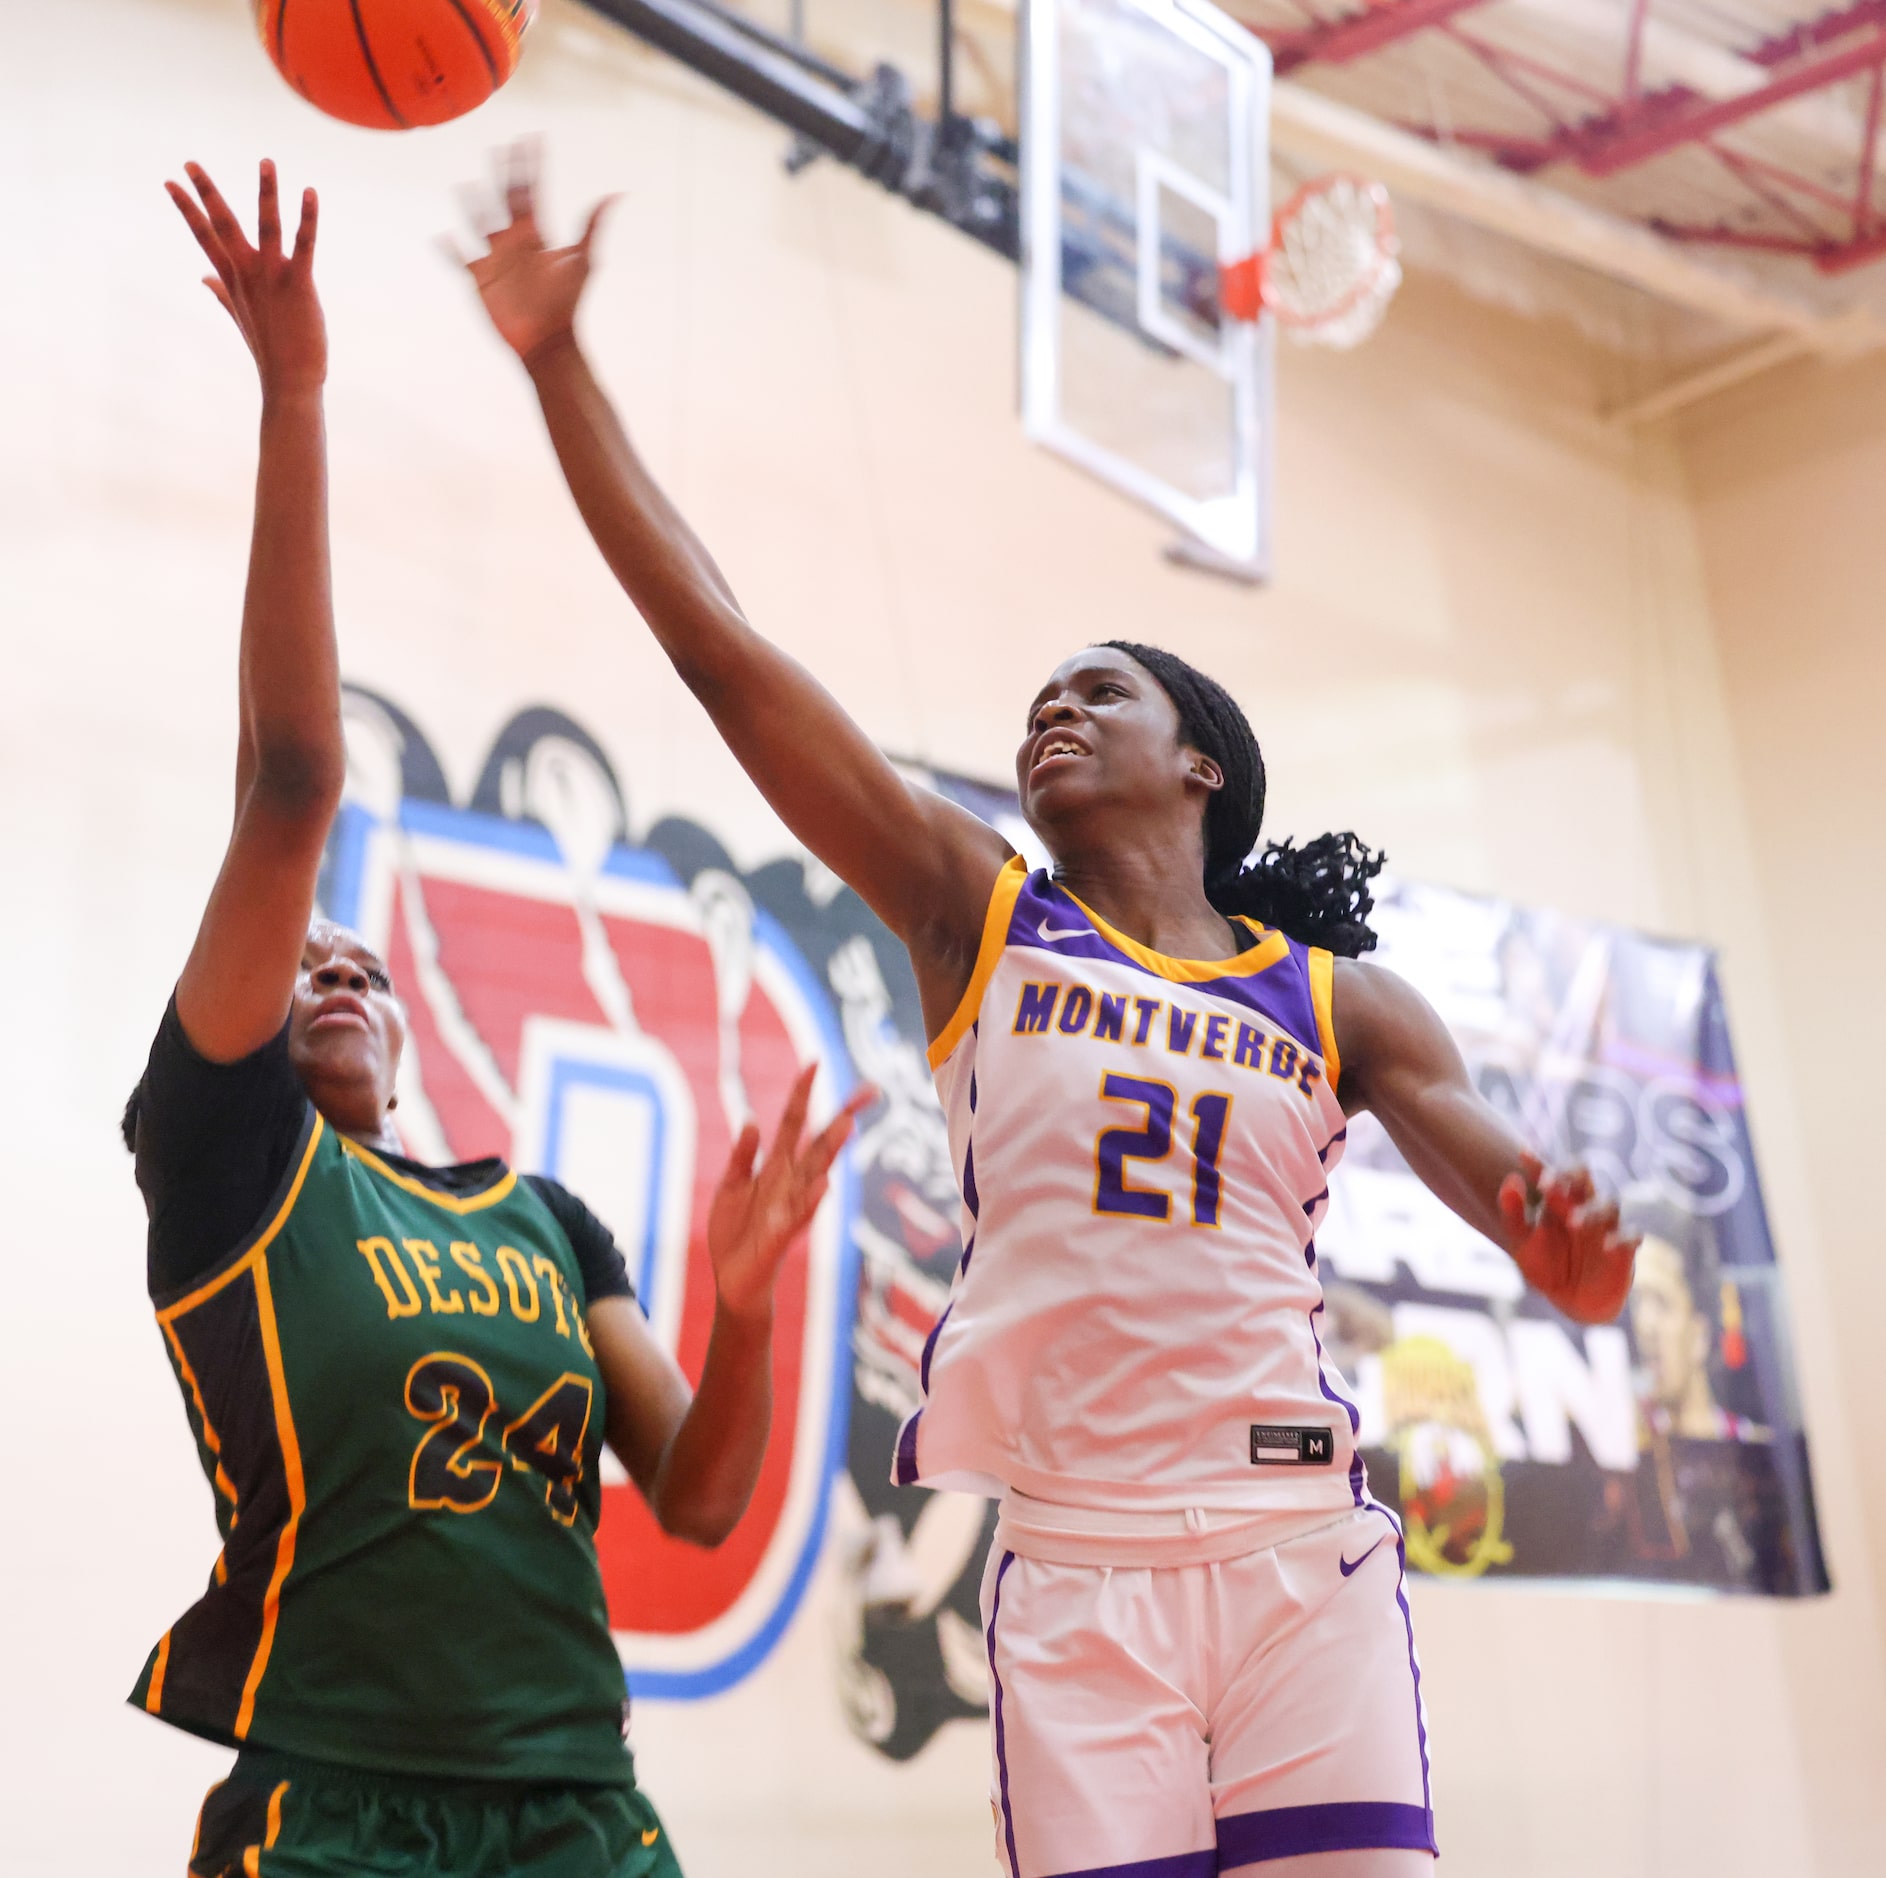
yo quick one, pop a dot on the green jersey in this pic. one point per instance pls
(395, 1400)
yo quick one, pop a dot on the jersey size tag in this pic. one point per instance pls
(1292, 1447)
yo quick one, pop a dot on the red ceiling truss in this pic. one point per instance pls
(1823, 210)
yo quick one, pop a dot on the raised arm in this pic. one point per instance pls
(1399, 1062)
(290, 759)
(925, 866)
(696, 1455)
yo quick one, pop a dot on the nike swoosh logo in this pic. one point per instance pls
(1064, 932)
(651, 1835)
(1347, 1568)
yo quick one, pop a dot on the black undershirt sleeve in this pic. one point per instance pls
(213, 1143)
(605, 1271)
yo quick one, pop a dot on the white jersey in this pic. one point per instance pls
(1144, 1146)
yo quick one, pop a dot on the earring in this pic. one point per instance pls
(392, 1102)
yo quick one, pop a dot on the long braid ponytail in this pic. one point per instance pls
(1318, 893)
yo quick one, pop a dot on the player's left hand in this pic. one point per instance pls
(762, 1206)
(1566, 1240)
(530, 291)
(266, 289)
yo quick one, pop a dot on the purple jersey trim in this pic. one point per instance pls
(1001, 1739)
(1358, 1474)
(1414, 1662)
(929, 1342)
(1280, 993)
(1179, 1865)
(1340, 1826)
(905, 1473)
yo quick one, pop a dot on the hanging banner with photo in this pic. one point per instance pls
(1666, 1448)
(608, 1001)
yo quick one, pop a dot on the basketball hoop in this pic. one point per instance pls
(1330, 270)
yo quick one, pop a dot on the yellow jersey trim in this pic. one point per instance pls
(252, 1856)
(297, 1495)
(995, 922)
(255, 1262)
(211, 1440)
(154, 1693)
(253, 1256)
(450, 1202)
(1271, 947)
(1323, 997)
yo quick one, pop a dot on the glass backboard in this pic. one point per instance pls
(1145, 168)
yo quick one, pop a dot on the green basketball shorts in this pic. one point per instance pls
(278, 1816)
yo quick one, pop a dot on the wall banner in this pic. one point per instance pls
(608, 1003)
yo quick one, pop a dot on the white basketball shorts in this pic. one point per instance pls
(1178, 1721)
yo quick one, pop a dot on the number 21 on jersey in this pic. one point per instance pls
(1114, 1190)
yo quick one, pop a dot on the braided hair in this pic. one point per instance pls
(1318, 893)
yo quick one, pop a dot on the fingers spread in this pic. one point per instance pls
(745, 1152)
(595, 222)
(1560, 1194)
(307, 230)
(227, 285)
(478, 210)
(222, 217)
(817, 1160)
(223, 300)
(268, 212)
(198, 223)
(519, 167)
(792, 1121)
(806, 1205)
(1512, 1197)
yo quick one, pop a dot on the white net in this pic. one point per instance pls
(1331, 269)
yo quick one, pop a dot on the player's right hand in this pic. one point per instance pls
(267, 292)
(1565, 1240)
(762, 1206)
(530, 291)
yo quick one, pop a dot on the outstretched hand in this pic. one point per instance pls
(267, 292)
(530, 291)
(1566, 1241)
(758, 1211)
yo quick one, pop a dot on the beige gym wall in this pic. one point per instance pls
(1785, 478)
(1490, 647)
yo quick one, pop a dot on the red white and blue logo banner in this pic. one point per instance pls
(609, 1002)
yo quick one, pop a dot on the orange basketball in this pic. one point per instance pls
(394, 64)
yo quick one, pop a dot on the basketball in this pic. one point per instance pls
(395, 64)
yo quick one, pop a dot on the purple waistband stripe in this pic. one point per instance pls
(1179, 1865)
(1342, 1826)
